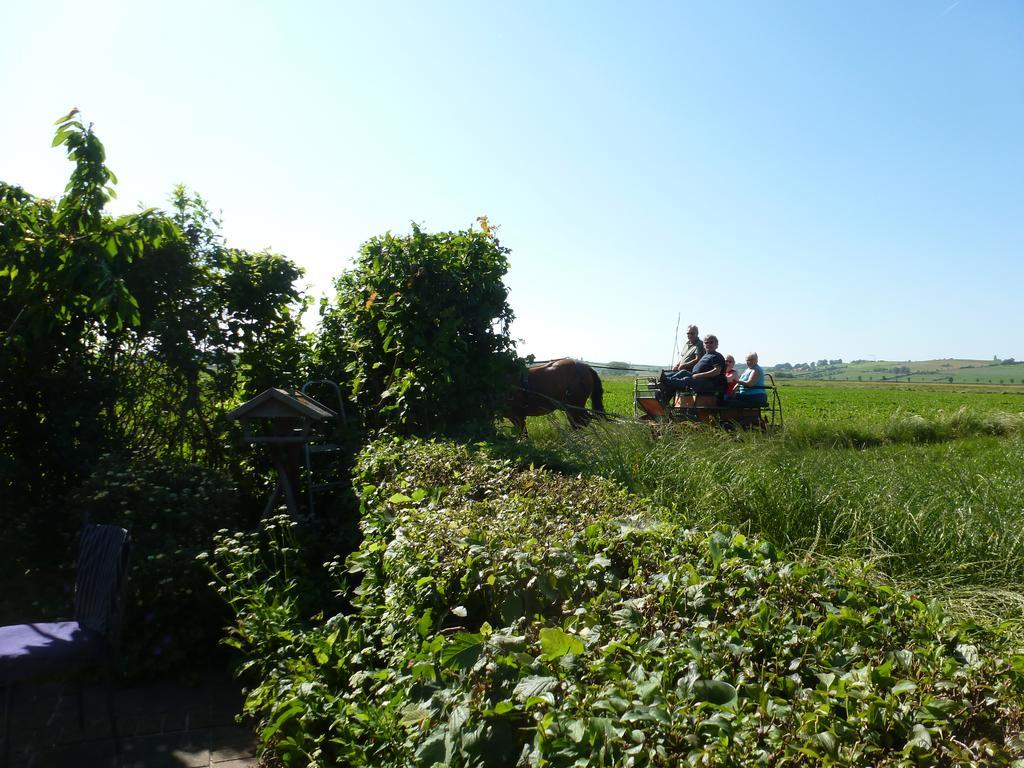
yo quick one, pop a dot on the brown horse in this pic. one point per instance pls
(563, 384)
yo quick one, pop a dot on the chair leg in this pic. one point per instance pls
(7, 725)
(78, 701)
(110, 711)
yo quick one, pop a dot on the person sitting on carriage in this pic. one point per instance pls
(692, 352)
(708, 374)
(732, 376)
(750, 390)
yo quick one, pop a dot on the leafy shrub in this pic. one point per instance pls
(419, 326)
(172, 510)
(62, 293)
(510, 616)
(131, 333)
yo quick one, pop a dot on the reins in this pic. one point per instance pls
(630, 368)
(561, 405)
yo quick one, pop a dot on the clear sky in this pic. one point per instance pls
(804, 179)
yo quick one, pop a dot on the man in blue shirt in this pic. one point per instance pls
(708, 374)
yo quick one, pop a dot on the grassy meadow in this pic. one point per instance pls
(844, 401)
(923, 483)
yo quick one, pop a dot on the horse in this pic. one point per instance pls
(563, 384)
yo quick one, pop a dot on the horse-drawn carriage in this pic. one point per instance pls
(707, 408)
(566, 385)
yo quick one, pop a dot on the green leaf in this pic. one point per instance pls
(577, 730)
(432, 750)
(938, 709)
(600, 562)
(66, 117)
(61, 136)
(555, 642)
(534, 685)
(463, 651)
(284, 715)
(716, 551)
(399, 498)
(715, 691)
(415, 715)
(425, 623)
(828, 742)
(828, 629)
(920, 741)
(904, 686)
(424, 671)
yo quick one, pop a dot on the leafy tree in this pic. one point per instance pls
(124, 333)
(216, 324)
(419, 327)
(63, 295)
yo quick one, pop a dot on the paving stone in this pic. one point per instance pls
(173, 722)
(232, 744)
(21, 758)
(146, 724)
(46, 734)
(181, 750)
(201, 718)
(223, 717)
(99, 752)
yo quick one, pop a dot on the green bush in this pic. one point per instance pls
(511, 616)
(419, 326)
(133, 333)
(172, 510)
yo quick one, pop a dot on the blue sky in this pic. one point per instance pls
(803, 179)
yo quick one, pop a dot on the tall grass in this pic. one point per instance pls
(866, 431)
(937, 505)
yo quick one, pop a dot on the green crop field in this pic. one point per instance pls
(846, 401)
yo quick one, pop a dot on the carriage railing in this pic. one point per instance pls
(776, 404)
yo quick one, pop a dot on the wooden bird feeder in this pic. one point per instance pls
(285, 421)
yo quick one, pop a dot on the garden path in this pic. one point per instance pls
(163, 724)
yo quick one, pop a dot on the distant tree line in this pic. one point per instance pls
(813, 365)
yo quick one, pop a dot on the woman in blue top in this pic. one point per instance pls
(750, 389)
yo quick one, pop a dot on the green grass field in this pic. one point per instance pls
(843, 401)
(925, 483)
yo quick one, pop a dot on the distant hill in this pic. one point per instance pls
(936, 371)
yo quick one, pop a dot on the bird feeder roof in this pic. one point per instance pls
(277, 403)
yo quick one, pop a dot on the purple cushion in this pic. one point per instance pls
(32, 650)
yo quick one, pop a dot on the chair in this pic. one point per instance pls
(31, 652)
